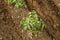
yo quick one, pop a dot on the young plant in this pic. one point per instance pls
(18, 3)
(32, 22)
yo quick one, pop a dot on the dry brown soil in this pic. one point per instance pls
(48, 10)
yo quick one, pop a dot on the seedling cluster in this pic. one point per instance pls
(17, 3)
(32, 22)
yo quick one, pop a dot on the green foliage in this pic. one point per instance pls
(32, 22)
(18, 3)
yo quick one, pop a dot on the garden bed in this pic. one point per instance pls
(10, 28)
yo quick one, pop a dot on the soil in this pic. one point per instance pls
(48, 10)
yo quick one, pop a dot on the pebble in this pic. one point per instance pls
(22, 31)
(18, 16)
(29, 34)
(0, 37)
(10, 7)
(12, 16)
(7, 17)
(58, 3)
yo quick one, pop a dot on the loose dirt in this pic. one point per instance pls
(10, 28)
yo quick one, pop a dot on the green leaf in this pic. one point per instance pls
(43, 26)
(18, 3)
(32, 22)
(11, 1)
(25, 28)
